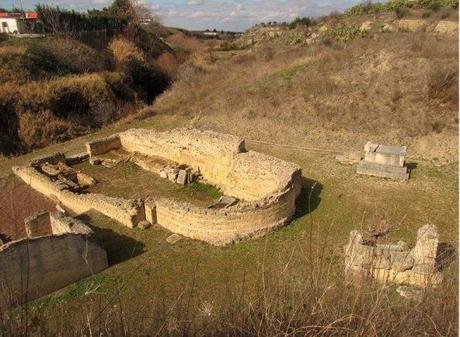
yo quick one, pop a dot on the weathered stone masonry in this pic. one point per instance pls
(40, 264)
(267, 186)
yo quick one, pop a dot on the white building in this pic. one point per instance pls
(9, 25)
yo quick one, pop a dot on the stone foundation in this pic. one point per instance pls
(36, 266)
(266, 186)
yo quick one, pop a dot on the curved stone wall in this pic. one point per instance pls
(266, 186)
(222, 159)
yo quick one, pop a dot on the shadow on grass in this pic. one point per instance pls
(410, 167)
(445, 255)
(119, 247)
(309, 197)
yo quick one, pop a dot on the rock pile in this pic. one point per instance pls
(395, 263)
(59, 172)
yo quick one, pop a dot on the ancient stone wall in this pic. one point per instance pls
(41, 265)
(209, 152)
(225, 226)
(267, 187)
(221, 159)
(38, 265)
(104, 145)
(126, 211)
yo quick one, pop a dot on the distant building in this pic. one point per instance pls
(210, 33)
(10, 22)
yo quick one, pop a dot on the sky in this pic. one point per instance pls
(233, 15)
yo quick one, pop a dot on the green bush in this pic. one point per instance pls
(305, 21)
(400, 12)
(365, 8)
(344, 32)
(399, 6)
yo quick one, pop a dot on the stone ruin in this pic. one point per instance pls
(260, 190)
(384, 161)
(58, 250)
(395, 263)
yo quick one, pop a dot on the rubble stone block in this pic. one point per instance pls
(411, 293)
(426, 248)
(144, 224)
(182, 177)
(150, 211)
(401, 261)
(385, 155)
(172, 239)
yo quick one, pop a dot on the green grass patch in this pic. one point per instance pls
(197, 186)
(75, 291)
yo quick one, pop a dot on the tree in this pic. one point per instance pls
(133, 10)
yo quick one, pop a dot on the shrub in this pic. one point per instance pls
(148, 42)
(118, 84)
(443, 85)
(183, 41)
(305, 21)
(40, 60)
(78, 57)
(365, 8)
(3, 37)
(344, 32)
(125, 50)
(37, 130)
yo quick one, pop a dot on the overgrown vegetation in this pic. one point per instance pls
(305, 21)
(66, 84)
(399, 5)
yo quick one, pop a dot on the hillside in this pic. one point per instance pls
(62, 85)
(336, 84)
(302, 93)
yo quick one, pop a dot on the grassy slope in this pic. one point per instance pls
(154, 274)
(396, 88)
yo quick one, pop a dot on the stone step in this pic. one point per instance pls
(383, 171)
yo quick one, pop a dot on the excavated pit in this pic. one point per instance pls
(135, 169)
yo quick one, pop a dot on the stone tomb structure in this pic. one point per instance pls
(266, 187)
(384, 161)
(395, 263)
(58, 251)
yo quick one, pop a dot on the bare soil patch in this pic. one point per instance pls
(18, 201)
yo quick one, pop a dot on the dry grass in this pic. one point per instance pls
(286, 284)
(125, 50)
(335, 96)
(185, 42)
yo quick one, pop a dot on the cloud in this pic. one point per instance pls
(236, 15)
(194, 2)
